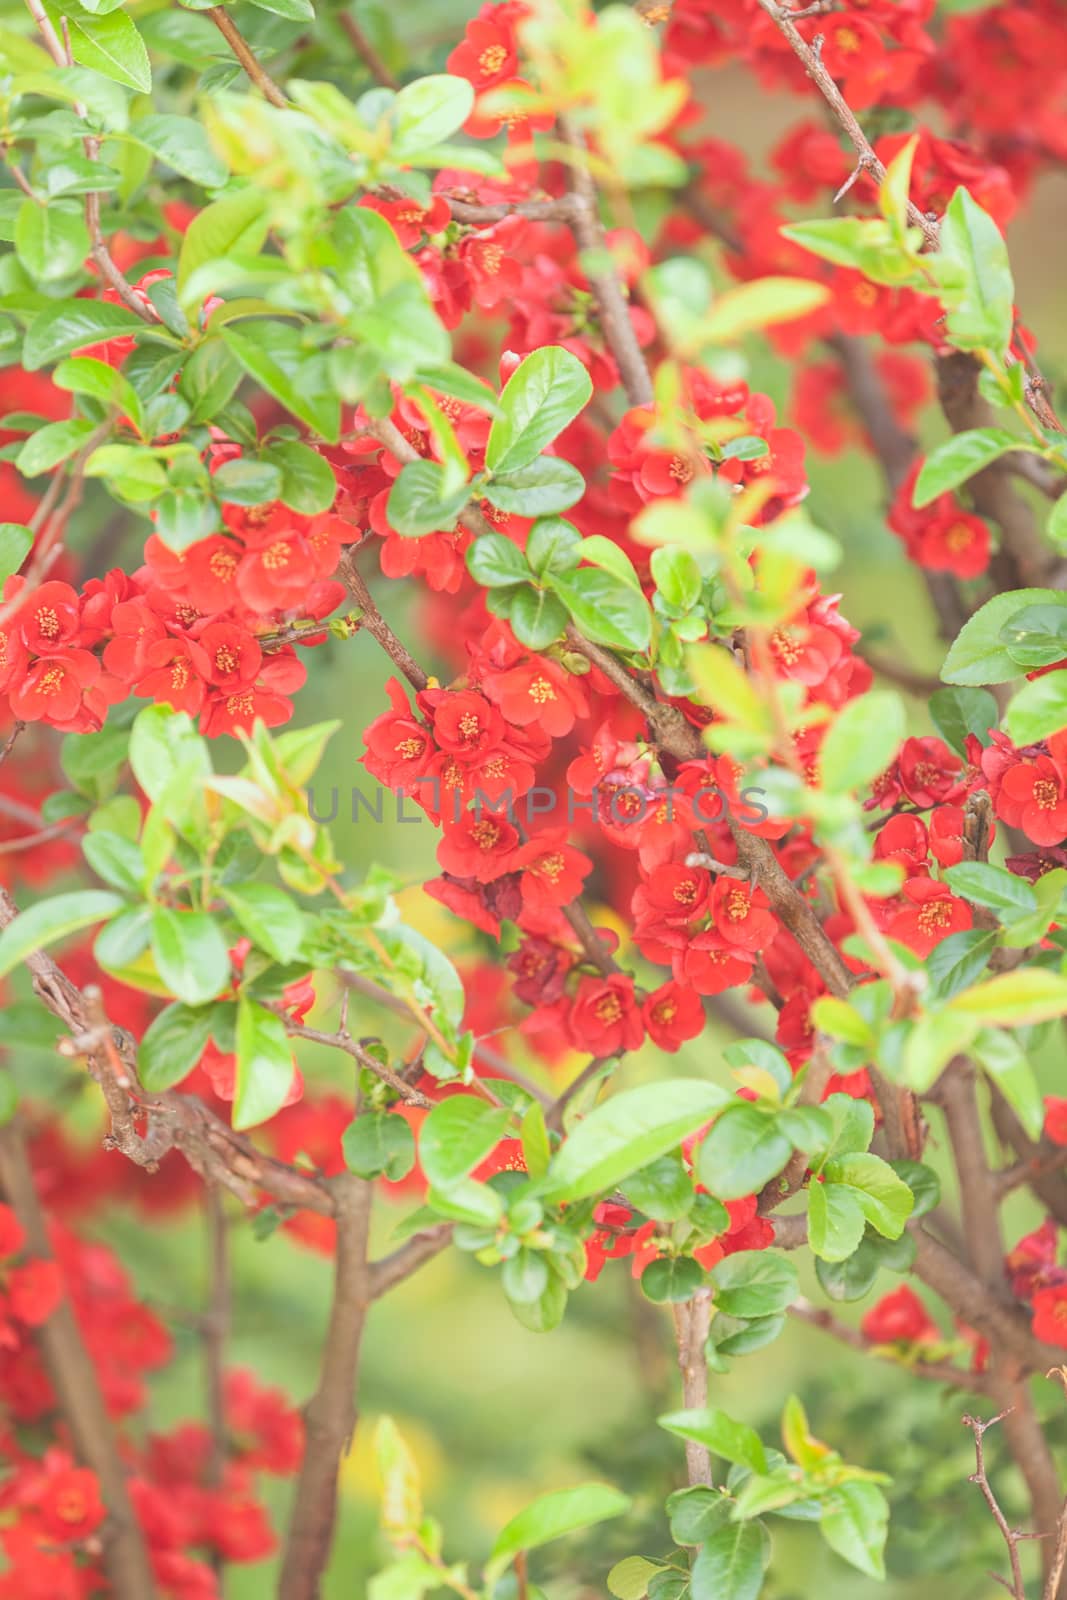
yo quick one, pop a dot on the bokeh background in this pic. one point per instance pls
(494, 1413)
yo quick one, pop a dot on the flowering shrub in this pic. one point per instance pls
(290, 316)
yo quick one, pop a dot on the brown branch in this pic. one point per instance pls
(616, 324)
(396, 1268)
(1011, 1536)
(170, 1121)
(352, 1047)
(809, 59)
(330, 1417)
(363, 47)
(256, 73)
(375, 624)
(74, 1380)
(692, 1321)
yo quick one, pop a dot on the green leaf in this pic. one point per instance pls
(978, 654)
(428, 111)
(1004, 1058)
(851, 1278)
(855, 1523)
(72, 324)
(16, 542)
(754, 1283)
(544, 393)
(269, 917)
(51, 240)
(759, 303)
(1056, 526)
(835, 1221)
(931, 1044)
(233, 226)
(605, 608)
(671, 1279)
(956, 962)
(730, 1566)
(181, 143)
(957, 712)
(110, 45)
(982, 297)
(52, 444)
(627, 1132)
(733, 1441)
(744, 1150)
(537, 618)
(276, 356)
(164, 743)
(550, 1517)
(172, 1045)
(553, 545)
(115, 859)
(984, 885)
(190, 954)
(379, 1144)
(884, 1199)
(1014, 999)
(1039, 709)
(496, 562)
(628, 1578)
(959, 459)
(421, 501)
(677, 577)
(246, 482)
(662, 1190)
(308, 483)
(1036, 636)
(48, 920)
(264, 1064)
(547, 485)
(457, 1135)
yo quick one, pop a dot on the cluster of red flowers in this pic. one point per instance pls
(942, 536)
(51, 1510)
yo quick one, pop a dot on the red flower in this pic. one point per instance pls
(538, 691)
(552, 871)
(1033, 796)
(934, 913)
(70, 1507)
(955, 542)
(1055, 1119)
(742, 914)
(486, 56)
(33, 1291)
(604, 1018)
(899, 1318)
(711, 965)
(929, 772)
(1050, 1315)
(673, 1014)
(481, 845)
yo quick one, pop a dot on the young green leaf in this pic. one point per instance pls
(544, 393)
(628, 1131)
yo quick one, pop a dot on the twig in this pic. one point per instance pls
(375, 624)
(330, 1417)
(363, 47)
(615, 321)
(692, 1321)
(256, 73)
(1010, 1535)
(809, 59)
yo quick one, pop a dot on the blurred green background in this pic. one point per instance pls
(496, 1414)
